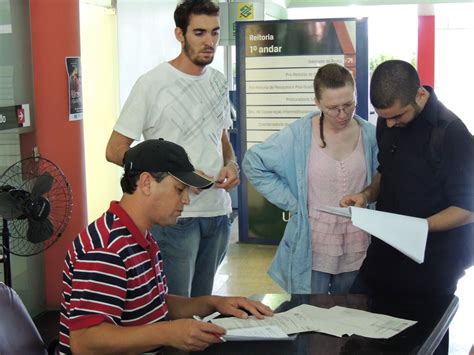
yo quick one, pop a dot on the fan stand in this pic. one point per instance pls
(35, 208)
(5, 259)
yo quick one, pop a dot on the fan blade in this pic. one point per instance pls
(42, 184)
(39, 231)
(8, 206)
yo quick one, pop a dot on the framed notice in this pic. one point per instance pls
(276, 65)
(74, 74)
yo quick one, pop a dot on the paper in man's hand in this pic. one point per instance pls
(406, 234)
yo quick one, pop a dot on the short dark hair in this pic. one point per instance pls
(129, 179)
(394, 80)
(331, 76)
(186, 8)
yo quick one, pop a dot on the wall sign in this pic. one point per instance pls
(276, 65)
(74, 74)
(15, 116)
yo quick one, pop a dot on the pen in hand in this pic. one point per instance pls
(221, 338)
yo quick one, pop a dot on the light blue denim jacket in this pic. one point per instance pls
(277, 168)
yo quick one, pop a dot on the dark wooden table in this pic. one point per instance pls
(422, 338)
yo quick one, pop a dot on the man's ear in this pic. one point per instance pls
(144, 183)
(179, 34)
(420, 96)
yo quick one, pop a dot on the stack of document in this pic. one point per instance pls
(337, 321)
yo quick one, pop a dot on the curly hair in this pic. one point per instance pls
(186, 8)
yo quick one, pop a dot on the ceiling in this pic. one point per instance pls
(300, 3)
(316, 3)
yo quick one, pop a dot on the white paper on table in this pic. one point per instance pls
(270, 332)
(406, 234)
(289, 323)
(319, 320)
(337, 321)
(371, 325)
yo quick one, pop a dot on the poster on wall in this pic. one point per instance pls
(276, 65)
(73, 67)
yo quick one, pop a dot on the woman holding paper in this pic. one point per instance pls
(312, 163)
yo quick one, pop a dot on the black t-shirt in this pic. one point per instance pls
(413, 183)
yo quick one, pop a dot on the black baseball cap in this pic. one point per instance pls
(160, 156)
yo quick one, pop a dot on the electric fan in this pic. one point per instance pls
(35, 205)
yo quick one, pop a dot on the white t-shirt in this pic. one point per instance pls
(189, 110)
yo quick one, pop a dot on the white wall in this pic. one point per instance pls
(100, 99)
(146, 38)
(454, 53)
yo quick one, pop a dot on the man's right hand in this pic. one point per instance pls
(193, 335)
(357, 200)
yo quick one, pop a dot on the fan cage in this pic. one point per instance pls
(22, 175)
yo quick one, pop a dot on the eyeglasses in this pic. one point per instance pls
(335, 111)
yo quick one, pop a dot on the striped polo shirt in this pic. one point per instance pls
(112, 273)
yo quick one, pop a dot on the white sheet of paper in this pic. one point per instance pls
(340, 211)
(337, 321)
(319, 320)
(406, 234)
(270, 332)
(370, 325)
(290, 323)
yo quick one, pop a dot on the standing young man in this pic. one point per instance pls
(186, 101)
(426, 170)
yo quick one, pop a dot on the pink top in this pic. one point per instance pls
(338, 246)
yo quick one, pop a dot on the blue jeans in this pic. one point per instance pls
(192, 251)
(335, 284)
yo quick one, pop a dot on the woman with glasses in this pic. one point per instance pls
(312, 163)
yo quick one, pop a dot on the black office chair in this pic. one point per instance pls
(18, 333)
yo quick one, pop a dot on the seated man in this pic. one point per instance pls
(115, 295)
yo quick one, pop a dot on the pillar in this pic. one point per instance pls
(426, 44)
(54, 36)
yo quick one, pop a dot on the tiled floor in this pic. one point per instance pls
(243, 273)
(244, 269)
